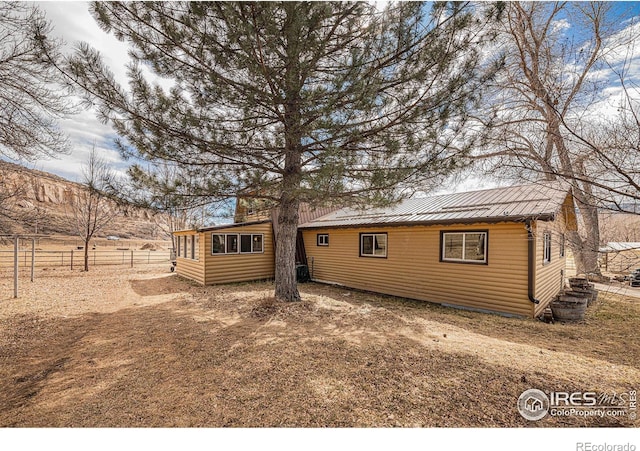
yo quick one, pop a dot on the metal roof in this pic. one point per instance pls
(306, 213)
(223, 226)
(515, 203)
(620, 246)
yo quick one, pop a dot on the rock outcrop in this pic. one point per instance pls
(42, 202)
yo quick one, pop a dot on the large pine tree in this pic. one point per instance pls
(292, 102)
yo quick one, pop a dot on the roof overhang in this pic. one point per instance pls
(465, 221)
(222, 227)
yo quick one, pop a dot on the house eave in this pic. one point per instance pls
(221, 227)
(447, 222)
(233, 225)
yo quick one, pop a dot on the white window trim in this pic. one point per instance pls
(386, 247)
(195, 247)
(224, 244)
(238, 235)
(322, 242)
(546, 257)
(226, 249)
(186, 247)
(261, 235)
(464, 238)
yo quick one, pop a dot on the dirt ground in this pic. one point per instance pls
(145, 348)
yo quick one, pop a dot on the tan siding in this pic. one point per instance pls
(549, 277)
(412, 268)
(190, 269)
(225, 268)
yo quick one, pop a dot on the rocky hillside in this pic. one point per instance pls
(35, 201)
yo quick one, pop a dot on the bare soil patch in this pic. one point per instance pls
(117, 348)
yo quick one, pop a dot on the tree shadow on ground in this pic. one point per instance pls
(184, 364)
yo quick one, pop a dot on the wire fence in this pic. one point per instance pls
(74, 259)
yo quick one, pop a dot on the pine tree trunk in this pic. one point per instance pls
(286, 230)
(287, 227)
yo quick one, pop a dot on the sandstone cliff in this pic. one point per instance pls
(41, 202)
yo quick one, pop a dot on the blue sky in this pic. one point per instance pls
(73, 23)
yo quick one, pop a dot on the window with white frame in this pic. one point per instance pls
(257, 243)
(322, 239)
(217, 244)
(562, 245)
(373, 245)
(188, 246)
(464, 247)
(546, 243)
(232, 244)
(195, 248)
(237, 243)
(245, 244)
(184, 247)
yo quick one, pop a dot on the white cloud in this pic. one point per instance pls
(621, 55)
(560, 25)
(623, 46)
(73, 23)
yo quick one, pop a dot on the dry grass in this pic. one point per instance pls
(111, 348)
(69, 242)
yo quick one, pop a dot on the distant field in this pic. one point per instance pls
(65, 243)
(68, 252)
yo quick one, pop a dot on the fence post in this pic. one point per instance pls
(15, 266)
(132, 259)
(62, 255)
(33, 256)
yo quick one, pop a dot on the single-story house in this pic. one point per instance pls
(238, 252)
(620, 257)
(499, 250)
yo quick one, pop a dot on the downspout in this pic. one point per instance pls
(531, 265)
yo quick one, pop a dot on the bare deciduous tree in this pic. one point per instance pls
(174, 194)
(541, 98)
(610, 149)
(32, 98)
(92, 209)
